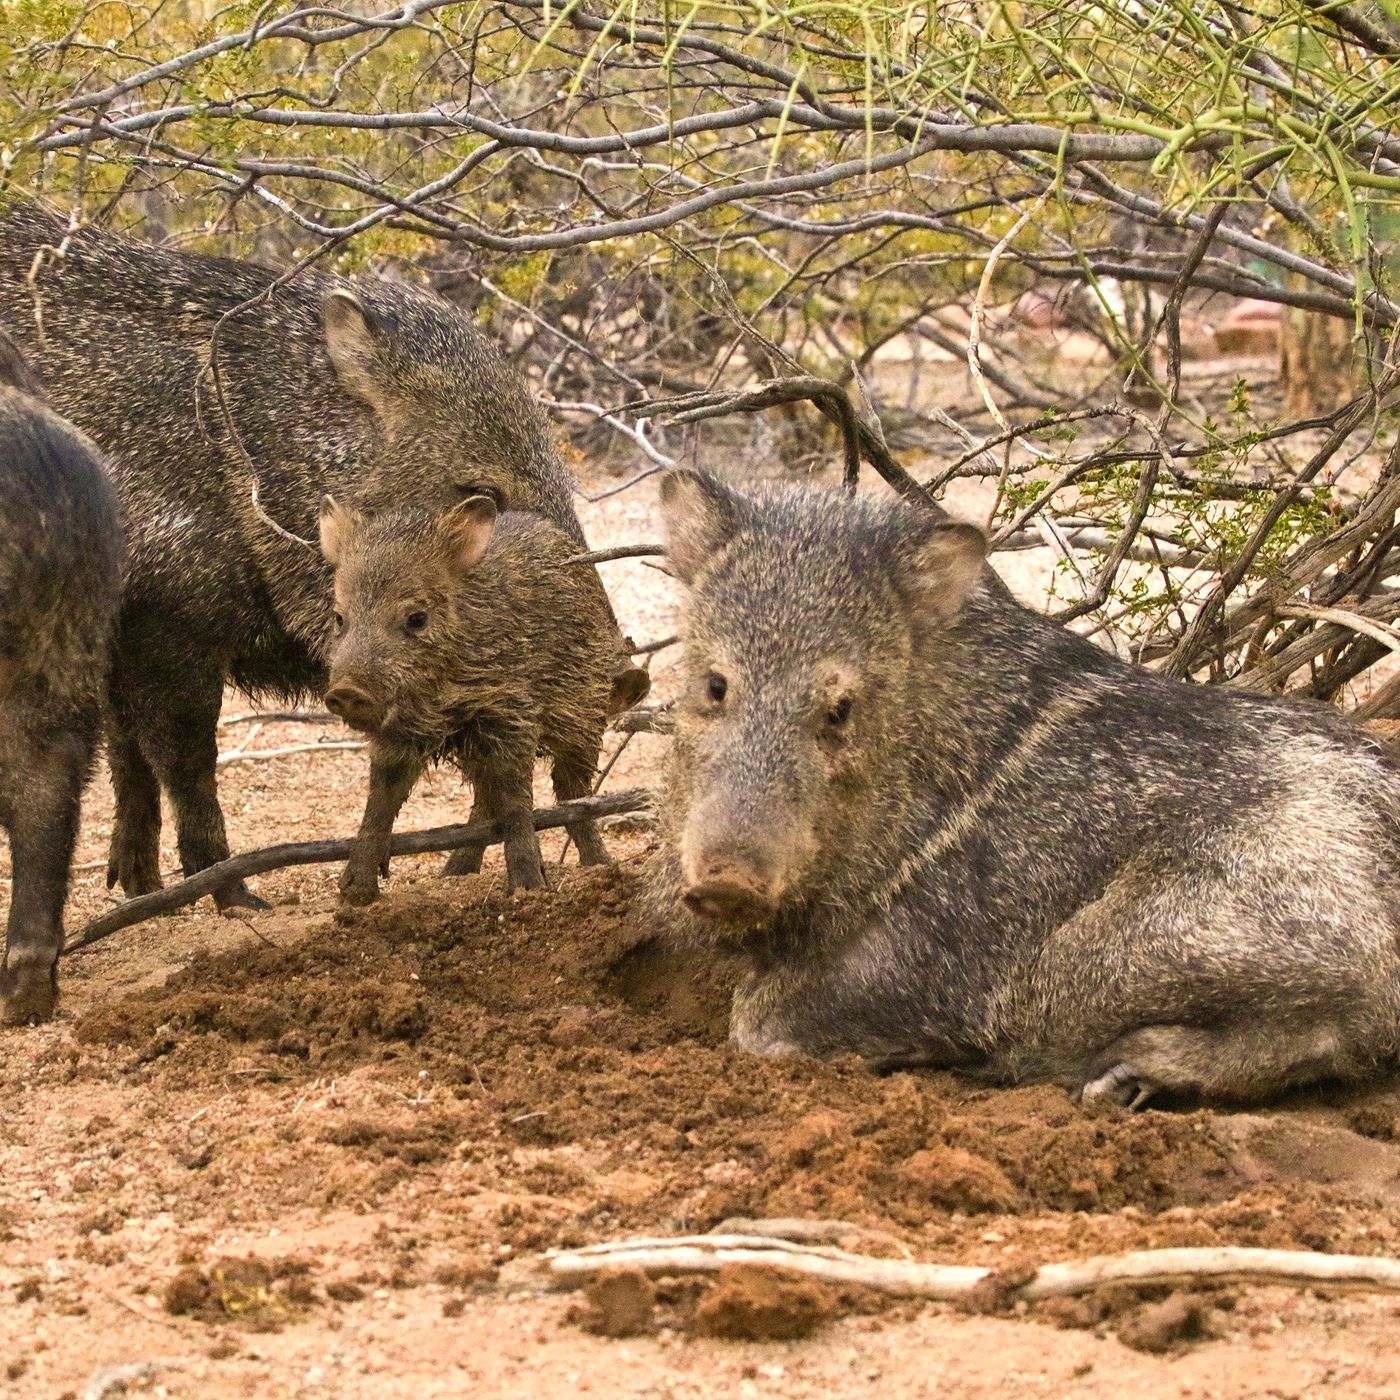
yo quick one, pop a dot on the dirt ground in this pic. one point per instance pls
(318, 1152)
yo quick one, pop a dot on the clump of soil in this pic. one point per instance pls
(1153, 1318)
(252, 1291)
(557, 1076)
(1165, 1326)
(620, 1302)
(755, 1304)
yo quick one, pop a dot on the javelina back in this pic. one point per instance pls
(947, 831)
(379, 392)
(469, 636)
(60, 586)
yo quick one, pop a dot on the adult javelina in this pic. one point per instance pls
(947, 831)
(60, 586)
(469, 637)
(378, 392)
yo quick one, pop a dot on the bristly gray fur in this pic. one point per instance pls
(1023, 857)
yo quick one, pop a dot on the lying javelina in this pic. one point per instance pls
(468, 636)
(948, 832)
(60, 587)
(377, 391)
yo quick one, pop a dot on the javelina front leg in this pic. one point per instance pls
(1241, 1061)
(179, 718)
(391, 779)
(134, 854)
(43, 827)
(573, 778)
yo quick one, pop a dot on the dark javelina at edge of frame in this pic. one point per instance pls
(469, 637)
(948, 832)
(380, 392)
(60, 586)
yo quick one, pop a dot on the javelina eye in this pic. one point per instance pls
(716, 687)
(839, 713)
(339, 620)
(416, 621)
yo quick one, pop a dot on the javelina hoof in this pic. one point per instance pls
(1119, 1085)
(357, 890)
(237, 895)
(464, 861)
(27, 996)
(133, 876)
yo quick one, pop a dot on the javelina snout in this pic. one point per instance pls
(355, 705)
(736, 878)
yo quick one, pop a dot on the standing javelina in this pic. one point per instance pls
(470, 637)
(378, 392)
(60, 586)
(948, 832)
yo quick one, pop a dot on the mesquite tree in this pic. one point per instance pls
(681, 210)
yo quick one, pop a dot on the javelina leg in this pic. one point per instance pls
(573, 778)
(178, 737)
(134, 855)
(466, 860)
(1240, 1061)
(43, 827)
(510, 789)
(391, 779)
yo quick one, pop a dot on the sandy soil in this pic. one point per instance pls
(319, 1152)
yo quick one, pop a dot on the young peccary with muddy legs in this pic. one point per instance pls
(948, 832)
(469, 636)
(60, 587)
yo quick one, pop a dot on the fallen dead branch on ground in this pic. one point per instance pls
(253, 755)
(406, 843)
(704, 1254)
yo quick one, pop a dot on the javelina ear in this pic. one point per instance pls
(700, 515)
(940, 568)
(15, 370)
(337, 523)
(465, 531)
(352, 341)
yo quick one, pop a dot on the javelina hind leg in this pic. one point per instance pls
(134, 854)
(1246, 1060)
(573, 778)
(466, 860)
(179, 737)
(391, 779)
(43, 827)
(512, 799)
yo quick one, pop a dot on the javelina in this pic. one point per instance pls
(379, 392)
(60, 587)
(948, 832)
(468, 636)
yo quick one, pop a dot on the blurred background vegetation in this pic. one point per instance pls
(1001, 239)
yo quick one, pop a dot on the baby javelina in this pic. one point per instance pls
(468, 636)
(61, 557)
(947, 831)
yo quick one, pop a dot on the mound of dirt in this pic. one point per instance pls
(581, 1084)
(762, 1305)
